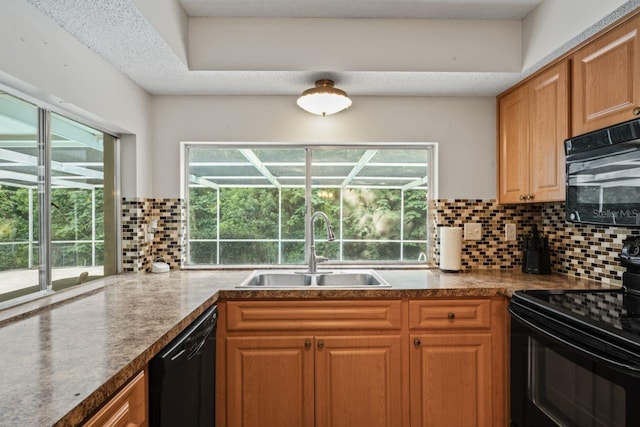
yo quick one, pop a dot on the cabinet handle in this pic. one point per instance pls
(636, 111)
(529, 196)
(416, 342)
(451, 315)
(307, 344)
(521, 197)
(320, 344)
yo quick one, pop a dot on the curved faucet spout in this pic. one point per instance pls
(314, 258)
(331, 236)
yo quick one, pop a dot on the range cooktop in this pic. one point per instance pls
(610, 309)
(615, 311)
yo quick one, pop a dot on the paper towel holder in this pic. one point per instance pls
(450, 249)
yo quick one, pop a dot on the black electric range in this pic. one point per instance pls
(575, 354)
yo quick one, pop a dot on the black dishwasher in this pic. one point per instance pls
(182, 377)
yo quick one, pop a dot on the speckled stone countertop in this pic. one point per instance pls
(60, 364)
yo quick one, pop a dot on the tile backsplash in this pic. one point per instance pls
(492, 251)
(136, 214)
(576, 249)
(579, 250)
(138, 250)
(584, 250)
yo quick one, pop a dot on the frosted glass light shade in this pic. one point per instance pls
(324, 99)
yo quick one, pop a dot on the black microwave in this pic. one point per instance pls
(603, 176)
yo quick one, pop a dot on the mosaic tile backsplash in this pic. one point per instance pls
(135, 247)
(166, 244)
(492, 251)
(580, 250)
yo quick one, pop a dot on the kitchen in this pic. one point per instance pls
(151, 126)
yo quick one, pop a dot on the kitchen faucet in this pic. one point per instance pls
(315, 259)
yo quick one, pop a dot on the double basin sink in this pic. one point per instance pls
(326, 279)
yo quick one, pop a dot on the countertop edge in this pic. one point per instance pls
(96, 400)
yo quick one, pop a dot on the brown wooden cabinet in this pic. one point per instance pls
(513, 146)
(270, 381)
(128, 408)
(310, 363)
(450, 380)
(533, 123)
(358, 381)
(334, 363)
(606, 79)
(457, 362)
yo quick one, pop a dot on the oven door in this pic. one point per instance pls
(555, 383)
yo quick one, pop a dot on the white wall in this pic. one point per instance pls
(555, 22)
(353, 44)
(44, 62)
(464, 128)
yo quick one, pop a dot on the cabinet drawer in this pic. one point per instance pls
(450, 314)
(313, 315)
(127, 408)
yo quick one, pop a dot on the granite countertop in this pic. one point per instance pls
(60, 364)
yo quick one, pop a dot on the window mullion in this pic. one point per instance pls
(30, 254)
(218, 226)
(279, 225)
(308, 205)
(44, 199)
(402, 194)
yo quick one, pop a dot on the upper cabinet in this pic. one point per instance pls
(533, 123)
(606, 79)
(548, 128)
(513, 146)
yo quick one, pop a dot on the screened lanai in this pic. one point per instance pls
(76, 192)
(246, 204)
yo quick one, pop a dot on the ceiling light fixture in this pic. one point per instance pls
(324, 99)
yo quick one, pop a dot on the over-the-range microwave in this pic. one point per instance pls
(603, 176)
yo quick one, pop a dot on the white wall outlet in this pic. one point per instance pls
(510, 232)
(472, 231)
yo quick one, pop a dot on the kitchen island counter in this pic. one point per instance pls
(62, 361)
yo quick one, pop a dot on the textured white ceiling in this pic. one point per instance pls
(119, 33)
(426, 9)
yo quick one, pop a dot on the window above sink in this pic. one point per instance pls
(246, 203)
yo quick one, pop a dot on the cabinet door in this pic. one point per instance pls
(513, 147)
(270, 382)
(451, 380)
(358, 381)
(128, 408)
(548, 128)
(606, 79)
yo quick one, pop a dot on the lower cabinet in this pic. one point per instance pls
(387, 363)
(310, 363)
(358, 381)
(314, 381)
(451, 380)
(128, 408)
(458, 362)
(270, 381)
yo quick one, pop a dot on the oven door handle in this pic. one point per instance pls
(573, 345)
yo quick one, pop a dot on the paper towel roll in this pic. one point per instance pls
(450, 248)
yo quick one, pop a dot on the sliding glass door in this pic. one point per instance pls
(54, 208)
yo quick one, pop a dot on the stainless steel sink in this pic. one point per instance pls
(268, 279)
(326, 279)
(351, 279)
